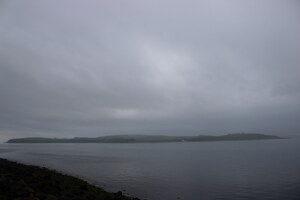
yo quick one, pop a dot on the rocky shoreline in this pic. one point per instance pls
(26, 182)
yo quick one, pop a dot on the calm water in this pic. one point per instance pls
(267, 169)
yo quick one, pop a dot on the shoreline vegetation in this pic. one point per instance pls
(27, 182)
(147, 138)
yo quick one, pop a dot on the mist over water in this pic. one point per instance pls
(267, 169)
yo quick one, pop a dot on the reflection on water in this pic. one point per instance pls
(73, 159)
(209, 170)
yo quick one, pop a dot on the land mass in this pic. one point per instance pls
(146, 138)
(19, 181)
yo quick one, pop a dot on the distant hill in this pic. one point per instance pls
(146, 138)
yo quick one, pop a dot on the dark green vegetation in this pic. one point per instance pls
(24, 182)
(147, 138)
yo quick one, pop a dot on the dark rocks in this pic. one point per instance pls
(24, 182)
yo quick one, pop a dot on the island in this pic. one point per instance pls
(146, 138)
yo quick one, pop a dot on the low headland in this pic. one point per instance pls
(26, 182)
(146, 138)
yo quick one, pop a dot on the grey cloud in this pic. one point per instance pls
(73, 68)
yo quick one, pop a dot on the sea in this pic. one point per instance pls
(261, 169)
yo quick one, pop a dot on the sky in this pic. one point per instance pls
(90, 68)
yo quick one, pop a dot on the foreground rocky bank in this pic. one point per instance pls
(25, 182)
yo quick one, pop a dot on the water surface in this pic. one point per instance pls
(264, 169)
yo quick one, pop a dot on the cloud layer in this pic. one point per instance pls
(91, 68)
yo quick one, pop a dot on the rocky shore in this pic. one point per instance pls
(25, 182)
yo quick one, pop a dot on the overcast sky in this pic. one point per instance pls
(93, 68)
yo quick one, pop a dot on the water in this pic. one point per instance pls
(266, 169)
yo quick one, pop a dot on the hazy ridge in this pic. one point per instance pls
(146, 138)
